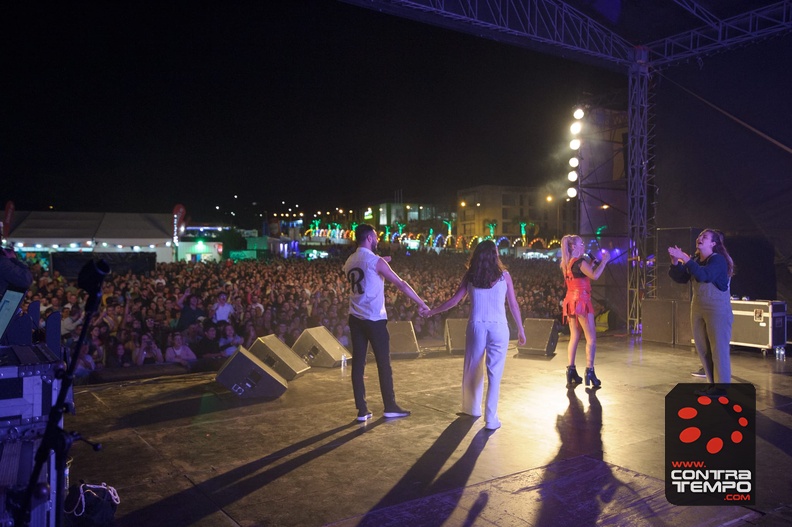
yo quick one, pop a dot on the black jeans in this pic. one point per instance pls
(376, 332)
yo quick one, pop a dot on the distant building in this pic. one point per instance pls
(494, 210)
(40, 235)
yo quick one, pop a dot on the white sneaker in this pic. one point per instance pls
(396, 412)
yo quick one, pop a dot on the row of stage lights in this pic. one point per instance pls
(574, 162)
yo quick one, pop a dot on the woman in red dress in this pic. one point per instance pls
(578, 310)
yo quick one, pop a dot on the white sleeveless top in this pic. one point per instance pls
(488, 305)
(366, 286)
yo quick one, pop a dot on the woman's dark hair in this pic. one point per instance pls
(720, 248)
(484, 266)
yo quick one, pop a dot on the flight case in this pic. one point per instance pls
(759, 324)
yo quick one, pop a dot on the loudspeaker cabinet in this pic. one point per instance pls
(248, 377)
(541, 337)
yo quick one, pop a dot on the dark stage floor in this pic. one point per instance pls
(183, 450)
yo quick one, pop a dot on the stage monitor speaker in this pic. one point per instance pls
(245, 375)
(278, 356)
(657, 320)
(455, 338)
(319, 348)
(683, 333)
(403, 342)
(685, 239)
(541, 337)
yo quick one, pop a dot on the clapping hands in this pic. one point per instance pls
(677, 255)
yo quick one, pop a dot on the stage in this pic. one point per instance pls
(184, 450)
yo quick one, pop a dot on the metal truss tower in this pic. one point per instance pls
(546, 25)
(640, 176)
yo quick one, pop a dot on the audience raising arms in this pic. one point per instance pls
(284, 296)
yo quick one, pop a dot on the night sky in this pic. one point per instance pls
(139, 106)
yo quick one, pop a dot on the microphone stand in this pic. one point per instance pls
(56, 439)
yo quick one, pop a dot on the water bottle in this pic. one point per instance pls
(343, 362)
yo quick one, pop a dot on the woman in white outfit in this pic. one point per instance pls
(489, 286)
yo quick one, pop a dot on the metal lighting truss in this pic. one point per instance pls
(719, 35)
(548, 24)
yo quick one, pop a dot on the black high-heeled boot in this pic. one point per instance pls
(592, 378)
(572, 376)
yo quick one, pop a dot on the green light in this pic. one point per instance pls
(599, 231)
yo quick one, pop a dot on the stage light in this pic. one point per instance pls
(574, 162)
(574, 144)
(576, 127)
(571, 192)
(578, 113)
(572, 176)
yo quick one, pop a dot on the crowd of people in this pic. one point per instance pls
(200, 313)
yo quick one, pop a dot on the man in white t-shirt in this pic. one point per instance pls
(223, 311)
(366, 274)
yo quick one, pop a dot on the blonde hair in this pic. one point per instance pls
(566, 249)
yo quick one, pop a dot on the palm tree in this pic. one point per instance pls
(492, 225)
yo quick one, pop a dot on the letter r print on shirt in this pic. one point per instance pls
(355, 277)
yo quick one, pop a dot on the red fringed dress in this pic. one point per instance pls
(578, 296)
